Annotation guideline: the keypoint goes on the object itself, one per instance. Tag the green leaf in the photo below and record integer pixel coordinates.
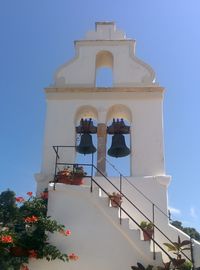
(178, 262)
(140, 266)
(185, 243)
(170, 247)
(134, 267)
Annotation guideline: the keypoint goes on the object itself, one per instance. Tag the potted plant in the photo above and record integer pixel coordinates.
(24, 230)
(77, 175)
(71, 176)
(148, 230)
(177, 248)
(115, 199)
(64, 176)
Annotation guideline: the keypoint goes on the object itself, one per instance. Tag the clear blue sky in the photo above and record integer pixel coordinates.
(37, 36)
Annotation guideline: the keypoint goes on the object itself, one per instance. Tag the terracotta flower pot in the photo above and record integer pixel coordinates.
(115, 201)
(64, 179)
(77, 180)
(147, 234)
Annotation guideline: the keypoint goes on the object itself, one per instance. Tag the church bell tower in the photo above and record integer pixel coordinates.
(134, 99)
(124, 120)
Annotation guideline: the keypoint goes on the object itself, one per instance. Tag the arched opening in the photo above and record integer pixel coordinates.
(86, 113)
(104, 77)
(120, 164)
(104, 69)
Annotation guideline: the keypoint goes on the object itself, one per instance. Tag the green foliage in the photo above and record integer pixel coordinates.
(175, 263)
(177, 248)
(192, 232)
(186, 265)
(24, 229)
(146, 225)
(8, 207)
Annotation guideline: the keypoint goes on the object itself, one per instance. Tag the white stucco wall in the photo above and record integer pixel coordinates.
(97, 238)
(128, 70)
(144, 105)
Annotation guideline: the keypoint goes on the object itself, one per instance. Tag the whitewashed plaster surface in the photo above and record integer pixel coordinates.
(134, 97)
(128, 70)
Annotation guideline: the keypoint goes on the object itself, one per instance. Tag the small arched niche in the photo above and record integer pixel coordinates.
(104, 69)
(122, 164)
(86, 112)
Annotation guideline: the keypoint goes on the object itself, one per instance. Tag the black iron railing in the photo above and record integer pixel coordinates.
(93, 168)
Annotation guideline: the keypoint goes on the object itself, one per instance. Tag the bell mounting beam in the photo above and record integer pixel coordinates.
(101, 148)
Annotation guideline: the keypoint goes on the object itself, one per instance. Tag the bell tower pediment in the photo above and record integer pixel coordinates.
(105, 47)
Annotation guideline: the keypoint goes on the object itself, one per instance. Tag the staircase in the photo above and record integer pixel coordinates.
(147, 252)
(133, 236)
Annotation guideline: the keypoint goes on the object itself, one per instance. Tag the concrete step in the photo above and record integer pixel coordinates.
(132, 235)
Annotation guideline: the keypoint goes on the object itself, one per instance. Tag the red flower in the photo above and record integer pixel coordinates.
(31, 219)
(67, 232)
(19, 199)
(73, 257)
(6, 239)
(29, 193)
(32, 254)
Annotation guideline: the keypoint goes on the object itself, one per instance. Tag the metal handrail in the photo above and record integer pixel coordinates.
(138, 190)
(139, 210)
(121, 193)
(131, 218)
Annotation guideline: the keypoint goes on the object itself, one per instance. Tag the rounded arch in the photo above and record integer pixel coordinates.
(119, 111)
(104, 59)
(86, 111)
(123, 164)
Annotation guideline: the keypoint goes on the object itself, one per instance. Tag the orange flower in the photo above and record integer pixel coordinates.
(73, 257)
(19, 199)
(6, 239)
(32, 253)
(29, 193)
(31, 219)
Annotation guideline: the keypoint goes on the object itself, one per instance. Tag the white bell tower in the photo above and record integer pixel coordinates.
(134, 96)
(105, 237)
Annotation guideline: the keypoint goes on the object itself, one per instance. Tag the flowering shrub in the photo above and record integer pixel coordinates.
(24, 229)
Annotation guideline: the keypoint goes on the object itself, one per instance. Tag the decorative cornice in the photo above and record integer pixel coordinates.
(155, 89)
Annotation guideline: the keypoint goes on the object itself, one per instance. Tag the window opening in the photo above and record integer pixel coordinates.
(104, 77)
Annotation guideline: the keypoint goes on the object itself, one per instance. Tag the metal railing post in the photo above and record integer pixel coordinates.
(153, 221)
(92, 168)
(192, 253)
(55, 170)
(120, 209)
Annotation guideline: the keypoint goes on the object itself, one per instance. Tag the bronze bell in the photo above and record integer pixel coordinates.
(86, 146)
(86, 126)
(118, 126)
(118, 147)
